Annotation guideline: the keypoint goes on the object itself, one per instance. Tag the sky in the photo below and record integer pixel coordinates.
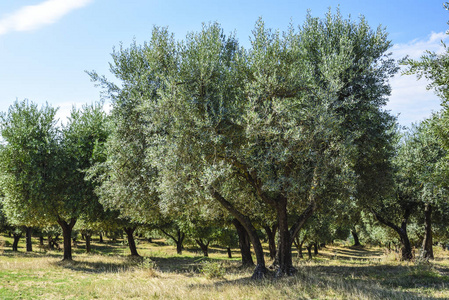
(47, 45)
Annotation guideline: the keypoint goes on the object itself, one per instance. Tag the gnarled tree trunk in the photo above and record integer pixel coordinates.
(356, 238)
(284, 256)
(179, 239)
(406, 250)
(131, 242)
(15, 243)
(271, 235)
(244, 243)
(427, 249)
(260, 271)
(204, 246)
(294, 230)
(298, 244)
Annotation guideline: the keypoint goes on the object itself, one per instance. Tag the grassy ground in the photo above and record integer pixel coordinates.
(338, 272)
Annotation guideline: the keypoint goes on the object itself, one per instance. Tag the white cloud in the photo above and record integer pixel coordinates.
(35, 16)
(409, 96)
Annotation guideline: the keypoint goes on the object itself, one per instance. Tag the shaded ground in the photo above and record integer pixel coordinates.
(338, 272)
(350, 253)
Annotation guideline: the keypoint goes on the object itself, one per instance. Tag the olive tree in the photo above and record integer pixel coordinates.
(278, 127)
(286, 117)
(42, 165)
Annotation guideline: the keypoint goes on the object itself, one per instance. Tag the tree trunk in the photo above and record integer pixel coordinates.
(131, 242)
(356, 238)
(315, 248)
(284, 255)
(271, 234)
(178, 247)
(88, 236)
(204, 247)
(406, 249)
(427, 249)
(244, 243)
(50, 242)
(229, 252)
(29, 244)
(309, 251)
(179, 241)
(41, 240)
(67, 237)
(101, 237)
(15, 243)
(260, 271)
(298, 244)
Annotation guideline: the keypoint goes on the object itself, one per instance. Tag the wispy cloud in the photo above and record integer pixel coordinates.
(409, 96)
(35, 16)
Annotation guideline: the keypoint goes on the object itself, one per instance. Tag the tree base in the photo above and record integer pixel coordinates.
(285, 271)
(260, 272)
(68, 260)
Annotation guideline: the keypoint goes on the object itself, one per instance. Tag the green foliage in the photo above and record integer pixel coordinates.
(30, 163)
(212, 269)
(294, 121)
(83, 139)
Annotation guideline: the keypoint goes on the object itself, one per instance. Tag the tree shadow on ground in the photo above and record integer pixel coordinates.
(128, 263)
(352, 253)
(33, 254)
(190, 265)
(370, 282)
(158, 242)
(104, 249)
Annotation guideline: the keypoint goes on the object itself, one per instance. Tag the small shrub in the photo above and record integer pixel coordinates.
(147, 263)
(212, 269)
(390, 256)
(148, 266)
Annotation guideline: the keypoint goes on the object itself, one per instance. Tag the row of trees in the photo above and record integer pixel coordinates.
(289, 136)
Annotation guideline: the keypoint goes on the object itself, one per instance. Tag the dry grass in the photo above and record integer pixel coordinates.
(336, 273)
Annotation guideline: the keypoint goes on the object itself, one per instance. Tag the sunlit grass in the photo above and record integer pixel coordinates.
(338, 272)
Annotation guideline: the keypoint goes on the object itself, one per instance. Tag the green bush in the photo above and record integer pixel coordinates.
(212, 269)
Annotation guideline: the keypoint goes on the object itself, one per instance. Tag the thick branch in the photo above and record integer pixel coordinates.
(169, 235)
(386, 222)
(252, 179)
(306, 214)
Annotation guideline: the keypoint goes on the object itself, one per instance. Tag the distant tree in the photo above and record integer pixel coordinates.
(227, 237)
(43, 167)
(396, 210)
(29, 163)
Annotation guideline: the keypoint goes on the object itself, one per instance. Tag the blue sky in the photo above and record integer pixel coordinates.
(46, 45)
